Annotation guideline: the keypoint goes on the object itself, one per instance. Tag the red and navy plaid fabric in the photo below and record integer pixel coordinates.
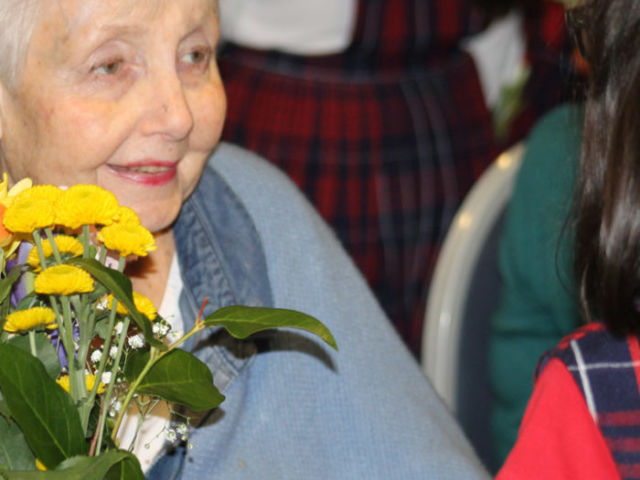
(607, 370)
(385, 139)
(550, 57)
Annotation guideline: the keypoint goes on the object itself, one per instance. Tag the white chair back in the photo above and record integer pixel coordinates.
(466, 276)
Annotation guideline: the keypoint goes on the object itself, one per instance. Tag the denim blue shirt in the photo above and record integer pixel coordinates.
(294, 408)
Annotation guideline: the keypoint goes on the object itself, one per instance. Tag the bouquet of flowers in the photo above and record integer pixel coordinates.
(78, 347)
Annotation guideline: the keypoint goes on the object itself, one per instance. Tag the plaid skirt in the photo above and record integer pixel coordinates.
(386, 158)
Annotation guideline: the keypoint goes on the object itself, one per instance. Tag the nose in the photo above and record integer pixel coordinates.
(168, 110)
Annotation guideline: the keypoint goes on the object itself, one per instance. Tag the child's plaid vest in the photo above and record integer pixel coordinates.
(607, 370)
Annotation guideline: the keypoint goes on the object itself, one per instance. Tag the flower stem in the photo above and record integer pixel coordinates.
(102, 366)
(37, 239)
(94, 440)
(132, 390)
(77, 387)
(54, 246)
(32, 343)
(105, 355)
(86, 241)
(116, 365)
(154, 356)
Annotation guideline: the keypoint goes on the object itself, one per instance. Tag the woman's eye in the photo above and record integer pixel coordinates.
(196, 57)
(110, 68)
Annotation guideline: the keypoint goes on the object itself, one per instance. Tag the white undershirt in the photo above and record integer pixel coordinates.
(499, 54)
(152, 434)
(304, 27)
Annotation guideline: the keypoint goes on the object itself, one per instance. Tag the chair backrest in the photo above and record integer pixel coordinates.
(463, 295)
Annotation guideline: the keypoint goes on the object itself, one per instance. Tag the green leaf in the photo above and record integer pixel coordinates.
(177, 377)
(102, 327)
(4, 410)
(15, 454)
(243, 321)
(46, 352)
(29, 300)
(127, 469)
(86, 468)
(120, 285)
(43, 410)
(7, 282)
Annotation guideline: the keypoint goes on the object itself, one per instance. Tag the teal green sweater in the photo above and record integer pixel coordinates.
(538, 300)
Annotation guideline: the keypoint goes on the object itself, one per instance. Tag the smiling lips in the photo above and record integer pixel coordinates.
(152, 173)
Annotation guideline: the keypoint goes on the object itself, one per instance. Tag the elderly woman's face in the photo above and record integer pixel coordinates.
(122, 94)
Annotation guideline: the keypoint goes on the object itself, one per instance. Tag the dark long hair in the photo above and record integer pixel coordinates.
(608, 194)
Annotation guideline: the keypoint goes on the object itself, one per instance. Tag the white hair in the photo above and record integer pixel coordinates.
(17, 19)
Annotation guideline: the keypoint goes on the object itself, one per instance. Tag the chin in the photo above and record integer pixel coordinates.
(157, 219)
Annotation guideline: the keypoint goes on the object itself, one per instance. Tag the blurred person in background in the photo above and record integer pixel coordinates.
(539, 302)
(385, 112)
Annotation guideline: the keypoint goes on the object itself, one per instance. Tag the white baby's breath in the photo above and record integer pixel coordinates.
(137, 341)
(96, 355)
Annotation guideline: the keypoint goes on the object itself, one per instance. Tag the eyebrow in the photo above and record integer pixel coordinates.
(126, 30)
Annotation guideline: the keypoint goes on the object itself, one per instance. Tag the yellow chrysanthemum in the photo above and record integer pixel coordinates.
(127, 239)
(89, 382)
(47, 192)
(8, 241)
(86, 205)
(142, 303)
(126, 215)
(24, 320)
(65, 244)
(26, 213)
(63, 280)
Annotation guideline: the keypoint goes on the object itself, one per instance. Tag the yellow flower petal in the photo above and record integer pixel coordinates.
(46, 192)
(86, 205)
(25, 214)
(142, 304)
(89, 382)
(6, 195)
(6, 237)
(20, 187)
(127, 239)
(126, 215)
(66, 245)
(24, 320)
(63, 280)
(4, 186)
(40, 466)
(63, 381)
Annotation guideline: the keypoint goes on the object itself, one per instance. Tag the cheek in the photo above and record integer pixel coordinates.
(208, 114)
(80, 136)
(21, 141)
(62, 143)
(83, 123)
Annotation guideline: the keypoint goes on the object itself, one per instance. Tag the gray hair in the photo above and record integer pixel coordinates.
(17, 19)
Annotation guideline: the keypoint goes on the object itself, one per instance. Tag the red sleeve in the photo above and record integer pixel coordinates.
(558, 438)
